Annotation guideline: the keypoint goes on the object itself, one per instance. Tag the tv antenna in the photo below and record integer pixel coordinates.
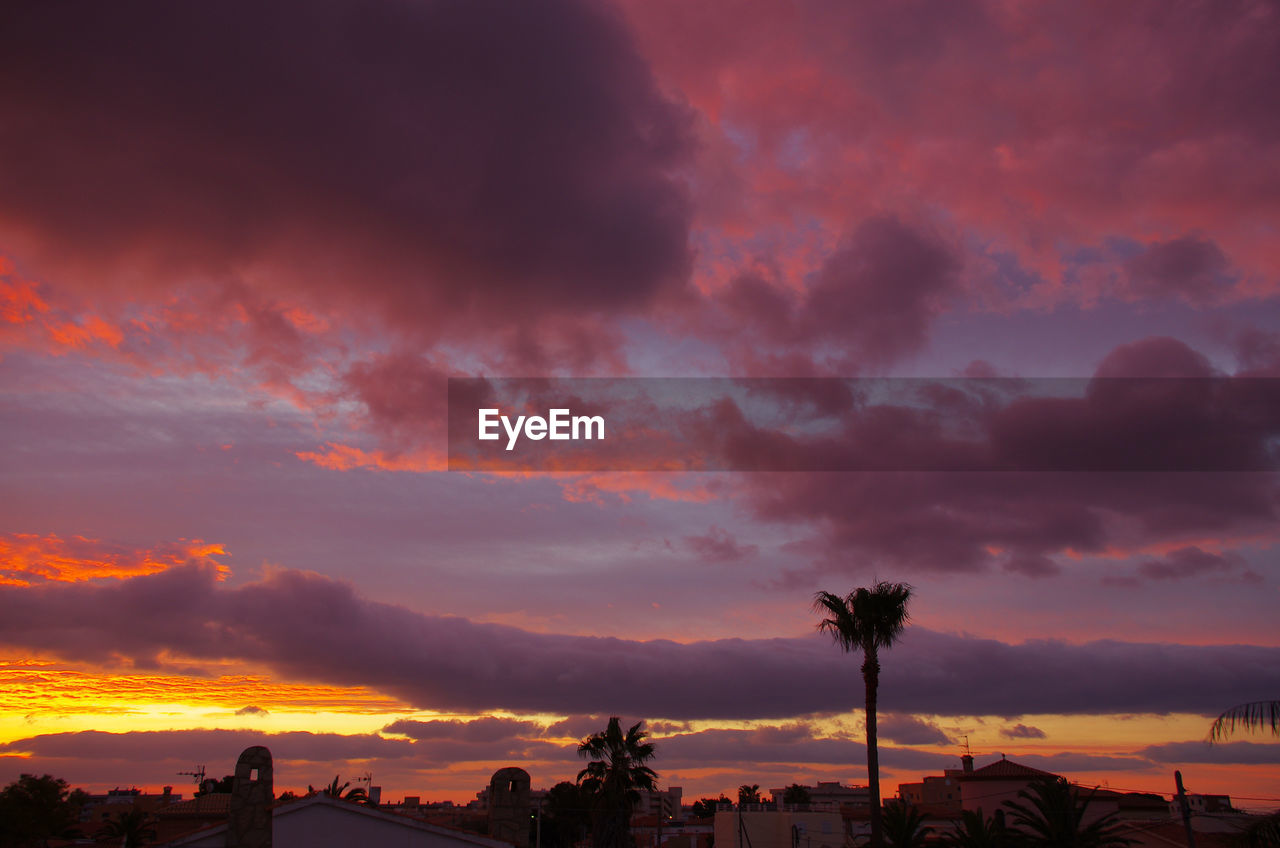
(198, 774)
(968, 752)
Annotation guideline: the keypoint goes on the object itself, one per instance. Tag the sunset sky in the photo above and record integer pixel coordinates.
(243, 248)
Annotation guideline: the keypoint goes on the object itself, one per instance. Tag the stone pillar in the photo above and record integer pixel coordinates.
(509, 806)
(251, 799)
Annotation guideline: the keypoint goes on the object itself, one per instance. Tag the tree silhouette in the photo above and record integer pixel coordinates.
(1263, 832)
(796, 794)
(904, 825)
(133, 828)
(749, 793)
(35, 809)
(977, 831)
(1051, 815)
(213, 785)
(613, 779)
(867, 620)
(336, 790)
(1256, 715)
(566, 819)
(706, 807)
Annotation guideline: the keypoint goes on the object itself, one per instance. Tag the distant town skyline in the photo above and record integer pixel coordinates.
(244, 248)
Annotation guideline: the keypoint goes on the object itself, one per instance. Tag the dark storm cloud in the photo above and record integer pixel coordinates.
(441, 162)
(299, 624)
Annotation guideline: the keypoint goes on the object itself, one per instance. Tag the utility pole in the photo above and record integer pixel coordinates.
(1185, 808)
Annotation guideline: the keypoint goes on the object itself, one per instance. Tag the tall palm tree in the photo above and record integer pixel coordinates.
(613, 779)
(904, 825)
(867, 620)
(1255, 715)
(1051, 815)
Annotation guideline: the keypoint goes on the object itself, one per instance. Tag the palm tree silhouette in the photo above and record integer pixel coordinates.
(337, 790)
(867, 620)
(904, 825)
(1053, 817)
(133, 828)
(613, 779)
(1255, 715)
(976, 831)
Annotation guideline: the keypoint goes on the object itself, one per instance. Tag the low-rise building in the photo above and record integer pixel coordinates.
(785, 828)
(320, 821)
(831, 795)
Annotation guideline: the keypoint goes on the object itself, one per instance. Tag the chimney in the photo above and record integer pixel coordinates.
(967, 762)
(168, 790)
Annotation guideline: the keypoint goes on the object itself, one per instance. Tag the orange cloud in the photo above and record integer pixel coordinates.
(19, 300)
(28, 686)
(29, 314)
(657, 485)
(81, 334)
(340, 457)
(28, 557)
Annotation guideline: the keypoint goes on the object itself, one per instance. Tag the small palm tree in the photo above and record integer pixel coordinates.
(613, 779)
(977, 831)
(868, 620)
(1263, 832)
(133, 829)
(339, 790)
(1051, 815)
(749, 793)
(1256, 715)
(904, 825)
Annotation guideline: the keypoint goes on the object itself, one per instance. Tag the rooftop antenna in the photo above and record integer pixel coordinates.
(198, 774)
(968, 752)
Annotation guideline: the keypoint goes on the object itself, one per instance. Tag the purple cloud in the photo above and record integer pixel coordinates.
(299, 625)
(717, 545)
(437, 164)
(1022, 731)
(1189, 267)
(909, 730)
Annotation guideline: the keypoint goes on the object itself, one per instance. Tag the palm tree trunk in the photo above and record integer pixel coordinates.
(871, 677)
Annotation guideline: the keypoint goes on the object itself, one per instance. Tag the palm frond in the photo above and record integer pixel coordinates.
(1253, 716)
(868, 618)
